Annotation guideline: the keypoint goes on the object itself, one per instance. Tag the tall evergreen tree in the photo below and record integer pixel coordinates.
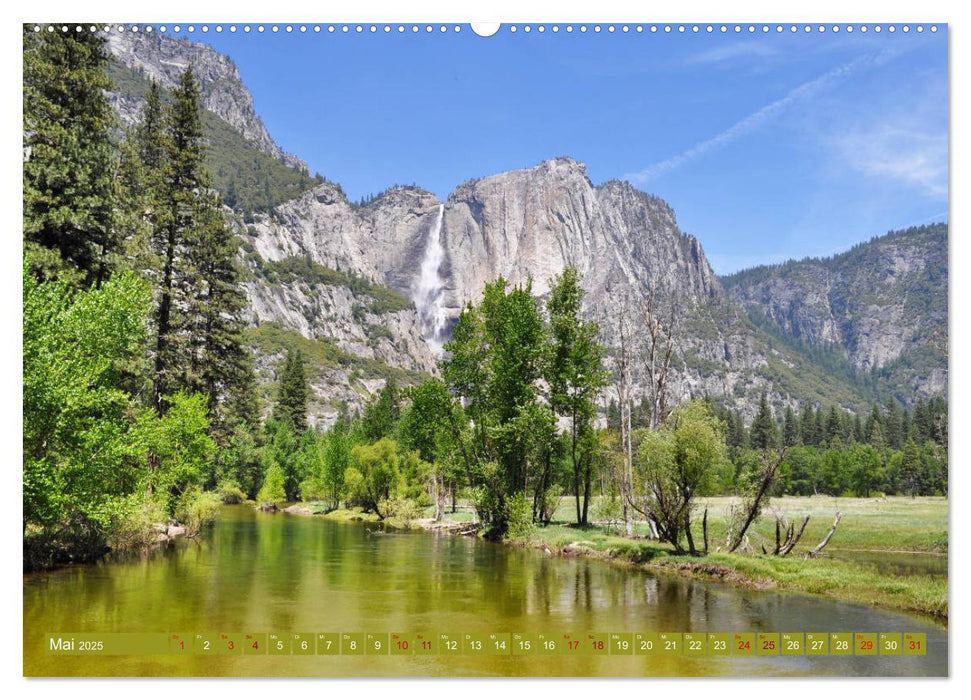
(910, 468)
(68, 159)
(764, 433)
(833, 427)
(178, 219)
(807, 424)
(140, 178)
(294, 392)
(224, 365)
(790, 429)
(893, 426)
(199, 327)
(872, 420)
(820, 428)
(858, 435)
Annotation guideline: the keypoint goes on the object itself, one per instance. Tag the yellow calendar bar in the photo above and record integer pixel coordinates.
(632, 644)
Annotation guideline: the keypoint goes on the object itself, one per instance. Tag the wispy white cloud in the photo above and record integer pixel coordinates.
(760, 117)
(732, 52)
(898, 150)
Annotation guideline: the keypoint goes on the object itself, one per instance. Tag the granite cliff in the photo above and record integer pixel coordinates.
(371, 290)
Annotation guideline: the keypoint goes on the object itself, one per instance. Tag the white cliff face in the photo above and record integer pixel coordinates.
(335, 313)
(383, 241)
(538, 221)
(525, 224)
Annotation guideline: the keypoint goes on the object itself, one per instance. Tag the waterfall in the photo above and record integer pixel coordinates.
(428, 293)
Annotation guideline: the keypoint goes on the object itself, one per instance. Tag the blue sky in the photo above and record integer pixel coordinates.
(768, 146)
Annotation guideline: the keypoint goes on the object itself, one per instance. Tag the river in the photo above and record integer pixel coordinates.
(259, 572)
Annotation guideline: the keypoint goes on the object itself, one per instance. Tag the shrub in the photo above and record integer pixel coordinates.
(135, 526)
(519, 518)
(407, 510)
(195, 508)
(230, 492)
(272, 491)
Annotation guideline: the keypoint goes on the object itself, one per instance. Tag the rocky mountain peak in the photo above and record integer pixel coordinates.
(163, 58)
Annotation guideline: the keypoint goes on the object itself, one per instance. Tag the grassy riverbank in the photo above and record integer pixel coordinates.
(897, 527)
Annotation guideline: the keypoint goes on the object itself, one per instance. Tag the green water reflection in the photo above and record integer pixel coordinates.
(255, 572)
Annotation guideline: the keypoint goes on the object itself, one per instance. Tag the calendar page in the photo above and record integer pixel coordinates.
(518, 349)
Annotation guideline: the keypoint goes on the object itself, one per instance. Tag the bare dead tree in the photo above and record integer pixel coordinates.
(624, 366)
(819, 547)
(783, 547)
(661, 322)
(753, 507)
(704, 529)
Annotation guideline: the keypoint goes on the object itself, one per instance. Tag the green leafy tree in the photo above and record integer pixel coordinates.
(575, 375)
(380, 419)
(181, 448)
(81, 446)
(675, 464)
(430, 425)
(865, 469)
(241, 461)
(495, 362)
(69, 166)
(374, 476)
(836, 477)
(337, 459)
(284, 447)
(805, 470)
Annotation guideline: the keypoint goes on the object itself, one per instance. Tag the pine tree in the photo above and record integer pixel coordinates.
(807, 422)
(873, 420)
(294, 392)
(820, 428)
(68, 165)
(877, 439)
(893, 427)
(764, 433)
(833, 427)
(178, 209)
(223, 364)
(199, 326)
(846, 427)
(906, 426)
(790, 429)
(139, 187)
